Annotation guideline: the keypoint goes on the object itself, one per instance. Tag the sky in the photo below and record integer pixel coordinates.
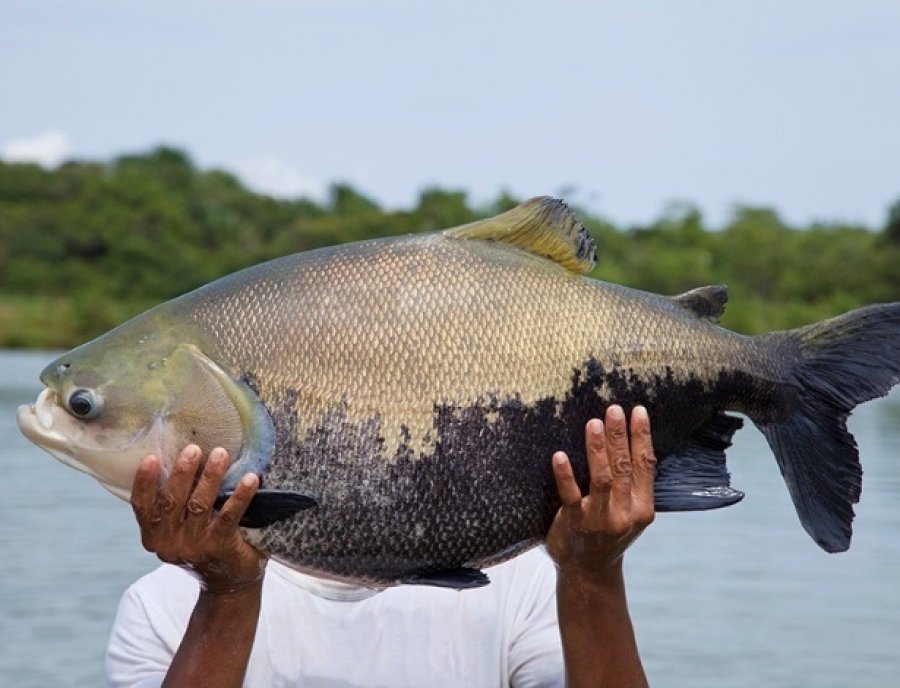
(622, 106)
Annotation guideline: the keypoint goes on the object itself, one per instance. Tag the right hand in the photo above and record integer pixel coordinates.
(591, 532)
(178, 524)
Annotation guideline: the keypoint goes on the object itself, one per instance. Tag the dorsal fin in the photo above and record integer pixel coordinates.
(544, 226)
(707, 302)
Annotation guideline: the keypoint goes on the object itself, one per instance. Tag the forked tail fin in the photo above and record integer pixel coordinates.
(845, 361)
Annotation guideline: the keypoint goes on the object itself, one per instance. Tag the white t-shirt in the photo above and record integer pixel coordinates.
(314, 632)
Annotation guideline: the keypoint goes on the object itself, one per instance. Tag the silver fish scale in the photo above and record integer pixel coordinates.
(419, 386)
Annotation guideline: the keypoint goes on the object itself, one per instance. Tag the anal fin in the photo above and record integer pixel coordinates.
(694, 477)
(270, 506)
(461, 578)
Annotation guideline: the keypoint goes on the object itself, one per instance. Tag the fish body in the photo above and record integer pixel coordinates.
(413, 389)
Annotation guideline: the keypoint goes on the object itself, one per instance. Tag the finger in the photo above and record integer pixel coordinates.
(644, 461)
(143, 499)
(233, 510)
(566, 485)
(619, 457)
(198, 510)
(143, 490)
(598, 464)
(174, 494)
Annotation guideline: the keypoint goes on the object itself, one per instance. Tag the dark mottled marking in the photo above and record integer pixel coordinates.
(484, 493)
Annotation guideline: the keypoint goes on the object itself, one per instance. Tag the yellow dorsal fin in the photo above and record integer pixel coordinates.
(544, 226)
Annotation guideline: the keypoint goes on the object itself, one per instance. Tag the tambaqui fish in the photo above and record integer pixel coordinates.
(401, 398)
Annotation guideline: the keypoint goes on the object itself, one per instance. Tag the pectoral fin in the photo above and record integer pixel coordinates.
(270, 506)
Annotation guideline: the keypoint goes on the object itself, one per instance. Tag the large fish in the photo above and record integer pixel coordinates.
(401, 398)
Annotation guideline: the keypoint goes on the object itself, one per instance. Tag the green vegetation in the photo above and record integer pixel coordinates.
(87, 245)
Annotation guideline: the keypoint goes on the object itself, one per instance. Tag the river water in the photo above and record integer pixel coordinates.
(739, 597)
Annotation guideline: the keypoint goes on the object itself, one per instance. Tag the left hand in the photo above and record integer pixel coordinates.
(590, 533)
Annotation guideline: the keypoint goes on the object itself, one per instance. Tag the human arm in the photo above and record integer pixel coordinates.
(177, 523)
(587, 541)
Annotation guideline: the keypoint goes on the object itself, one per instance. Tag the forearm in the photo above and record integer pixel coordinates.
(216, 646)
(599, 647)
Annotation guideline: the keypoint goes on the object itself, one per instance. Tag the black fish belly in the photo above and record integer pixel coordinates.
(678, 402)
(483, 493)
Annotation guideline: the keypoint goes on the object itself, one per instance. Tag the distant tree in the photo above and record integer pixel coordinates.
(754, 250)
(86, 245)
(504, 201)
(170, 166)
(345, 200)
(438, 208)
(681, 223)
(892, 226)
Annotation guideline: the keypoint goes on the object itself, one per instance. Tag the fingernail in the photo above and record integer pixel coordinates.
(559, 458)
(640, 412)
(615, 412)
(248, 480)
(219, 453)
(595, 426)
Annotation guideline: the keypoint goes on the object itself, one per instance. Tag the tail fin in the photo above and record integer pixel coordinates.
(845, 361)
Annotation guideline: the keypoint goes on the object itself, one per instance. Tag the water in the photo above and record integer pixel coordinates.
(739, 597)
(69, 550)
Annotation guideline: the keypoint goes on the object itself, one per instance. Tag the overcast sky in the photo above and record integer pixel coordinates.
(633, 104)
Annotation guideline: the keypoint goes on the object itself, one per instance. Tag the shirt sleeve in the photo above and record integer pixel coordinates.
(535, 653)
(144, 637)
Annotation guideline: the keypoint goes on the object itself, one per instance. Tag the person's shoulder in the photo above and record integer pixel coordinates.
(167, 585)
(165, 575)
(154, 611)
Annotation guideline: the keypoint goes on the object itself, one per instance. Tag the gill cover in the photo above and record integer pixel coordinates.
(214, 410)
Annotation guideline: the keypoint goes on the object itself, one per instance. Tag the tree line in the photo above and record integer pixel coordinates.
(89, 244)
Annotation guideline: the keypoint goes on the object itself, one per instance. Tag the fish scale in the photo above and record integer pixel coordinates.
(401, 398)
(359, 391)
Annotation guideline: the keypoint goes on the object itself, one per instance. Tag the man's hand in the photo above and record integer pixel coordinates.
(587, 541)
(591, 533)
(178, 524)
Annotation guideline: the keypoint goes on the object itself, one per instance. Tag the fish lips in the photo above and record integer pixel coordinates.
(35, 421)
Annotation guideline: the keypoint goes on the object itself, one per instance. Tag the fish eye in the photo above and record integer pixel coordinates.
(83, 404)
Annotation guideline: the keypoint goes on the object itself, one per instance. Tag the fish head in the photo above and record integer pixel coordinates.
(133, 392)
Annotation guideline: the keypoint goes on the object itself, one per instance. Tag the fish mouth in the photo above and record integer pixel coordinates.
(35, 421)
